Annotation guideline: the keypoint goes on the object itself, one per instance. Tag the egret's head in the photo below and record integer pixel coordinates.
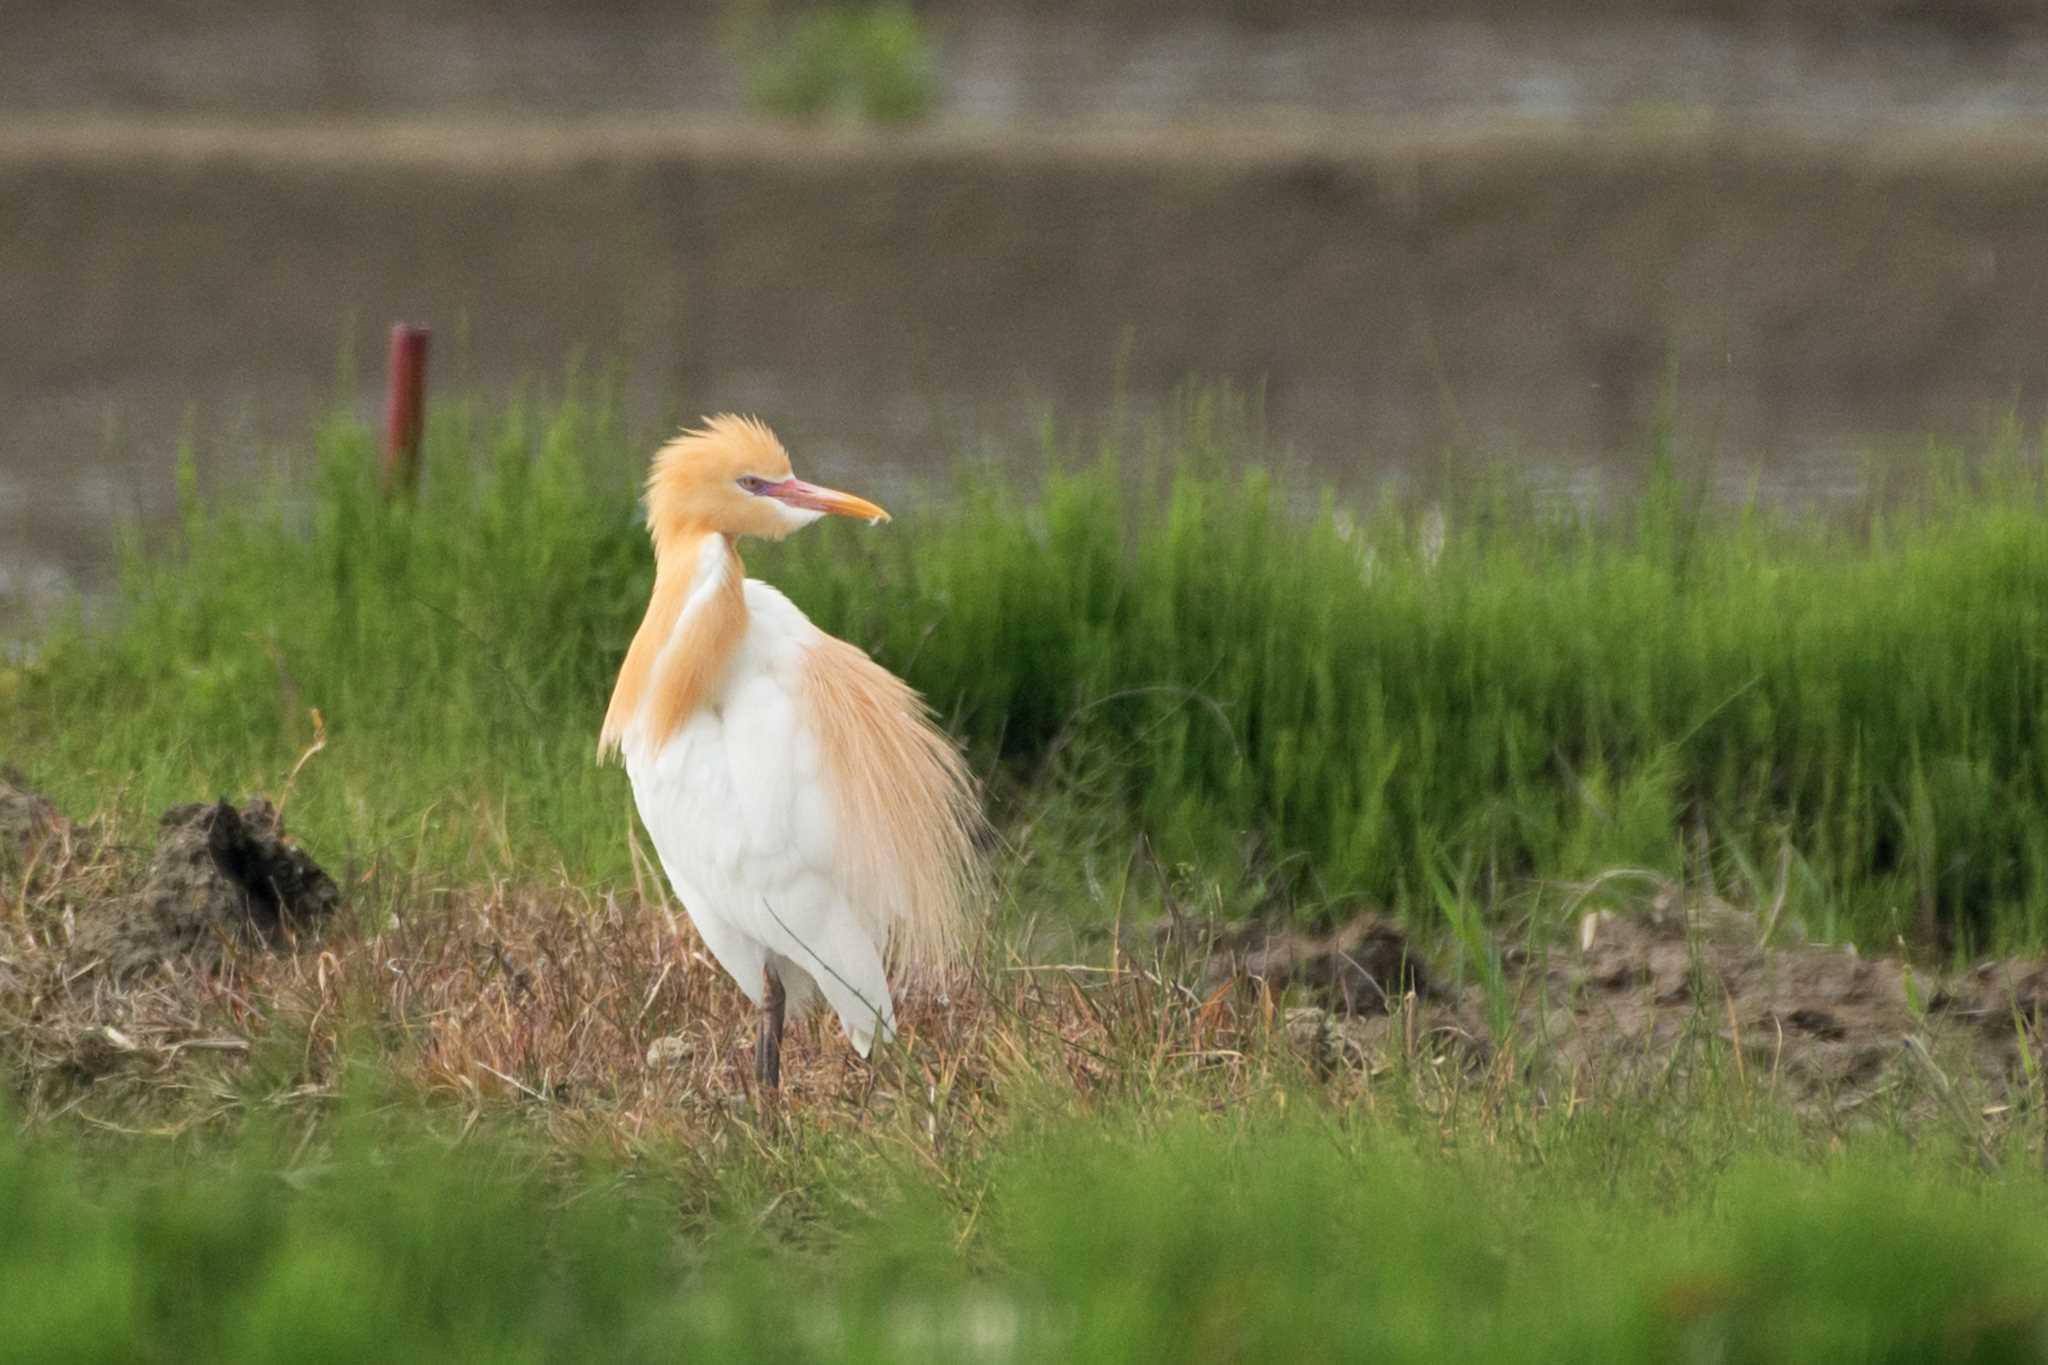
(732, 476)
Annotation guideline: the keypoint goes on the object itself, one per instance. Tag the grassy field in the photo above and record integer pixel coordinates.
(1296, 700)
(1133, 1235)
(502, 1112)
(437, 1140)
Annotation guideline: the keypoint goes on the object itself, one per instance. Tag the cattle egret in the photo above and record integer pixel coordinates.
(812, 819)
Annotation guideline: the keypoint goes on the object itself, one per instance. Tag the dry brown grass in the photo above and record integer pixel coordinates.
(600, 1013)
(596, 1019)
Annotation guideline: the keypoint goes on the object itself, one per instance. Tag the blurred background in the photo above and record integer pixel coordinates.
(1777, 234)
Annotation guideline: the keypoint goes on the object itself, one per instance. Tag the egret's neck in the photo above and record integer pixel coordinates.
(693, 626)
(699, 562)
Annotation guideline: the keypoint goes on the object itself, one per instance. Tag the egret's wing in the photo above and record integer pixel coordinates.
(905, 805)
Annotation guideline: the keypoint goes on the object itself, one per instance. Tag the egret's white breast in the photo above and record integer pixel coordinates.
(739, 810)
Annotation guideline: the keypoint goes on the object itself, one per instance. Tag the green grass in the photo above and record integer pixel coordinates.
(1309, 1233)
(872, 61)
(407, 1146)
(1161, 635)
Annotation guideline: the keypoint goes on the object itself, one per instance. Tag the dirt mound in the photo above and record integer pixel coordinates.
(1823, 1019)
(221, 877)
(1643, 984)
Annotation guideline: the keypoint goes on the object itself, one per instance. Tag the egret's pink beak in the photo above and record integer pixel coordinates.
(797, 493)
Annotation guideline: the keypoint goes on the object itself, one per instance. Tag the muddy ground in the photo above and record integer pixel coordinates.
(1007, 60)
(116, 965)
(1648, 979)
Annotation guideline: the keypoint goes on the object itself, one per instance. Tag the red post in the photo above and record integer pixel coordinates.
(405, 407)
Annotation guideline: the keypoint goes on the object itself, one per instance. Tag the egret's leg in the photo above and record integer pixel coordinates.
(768, 1051)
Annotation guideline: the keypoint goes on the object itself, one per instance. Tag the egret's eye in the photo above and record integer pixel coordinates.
(752, 484)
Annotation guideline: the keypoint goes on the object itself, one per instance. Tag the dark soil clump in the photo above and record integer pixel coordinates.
(221, 877)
